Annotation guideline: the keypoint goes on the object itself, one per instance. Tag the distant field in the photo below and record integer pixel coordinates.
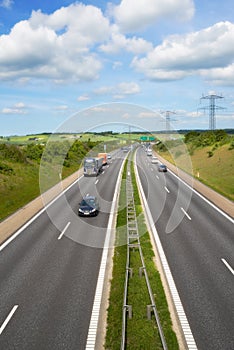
(43, 138)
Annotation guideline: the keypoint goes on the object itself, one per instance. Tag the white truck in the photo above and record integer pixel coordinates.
(92, 166)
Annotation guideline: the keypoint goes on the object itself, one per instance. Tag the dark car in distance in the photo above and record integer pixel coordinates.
(89, 206)
(162, 167)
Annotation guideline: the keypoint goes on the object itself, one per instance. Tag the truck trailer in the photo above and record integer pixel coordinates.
(104, 156)
(92, 166)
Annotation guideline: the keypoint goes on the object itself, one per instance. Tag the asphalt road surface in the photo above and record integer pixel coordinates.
(49, 272)
(198, 242)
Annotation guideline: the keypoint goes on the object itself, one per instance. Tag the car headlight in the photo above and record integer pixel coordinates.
(80, 210)
(93, 210)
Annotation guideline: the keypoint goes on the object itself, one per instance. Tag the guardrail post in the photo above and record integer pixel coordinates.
(129, 309)
(130, 271)
(141, 269)
(149, 312)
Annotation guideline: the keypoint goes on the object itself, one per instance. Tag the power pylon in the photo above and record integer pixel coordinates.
(168, 120)
(212, 108)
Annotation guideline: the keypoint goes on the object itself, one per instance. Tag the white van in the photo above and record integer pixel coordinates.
(154, 160)
(149, 152)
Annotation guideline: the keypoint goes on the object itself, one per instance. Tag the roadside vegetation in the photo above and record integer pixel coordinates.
(211, 154)
(20, 169)
(141, 332)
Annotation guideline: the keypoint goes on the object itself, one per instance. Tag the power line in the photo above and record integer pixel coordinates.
(212, 108)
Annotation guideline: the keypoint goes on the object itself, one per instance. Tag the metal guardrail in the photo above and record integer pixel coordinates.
(133, 241)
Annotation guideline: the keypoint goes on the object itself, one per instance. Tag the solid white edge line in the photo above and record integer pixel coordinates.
(64, 230)
(185, 213)
(93, 326)
(191, 344)
(204, 198)
(7, 320)
(227, 265)
(11, 238)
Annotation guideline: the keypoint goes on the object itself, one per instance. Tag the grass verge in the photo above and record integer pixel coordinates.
(141, 332)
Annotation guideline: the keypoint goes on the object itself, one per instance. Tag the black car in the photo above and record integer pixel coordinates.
(89, 206)
(162, 167)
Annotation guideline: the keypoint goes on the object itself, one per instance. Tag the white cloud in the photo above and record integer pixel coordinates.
(117, 64)
(13, 111)
(128, 88)
(61, 108)
(220, 76)
(119, 42)
(56, 46)
(7, 4)
(147, 115)
(17, 108)
(120, 90)
(20, 105)
(83, 98)
(208, 52)
(132, 15)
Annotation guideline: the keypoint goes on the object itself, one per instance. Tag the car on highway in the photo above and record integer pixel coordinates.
(162, 168)
(89, 206)
(154, 160)
(109, 156)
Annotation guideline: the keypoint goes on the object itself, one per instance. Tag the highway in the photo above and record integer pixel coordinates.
(198, 242)
(49, 271)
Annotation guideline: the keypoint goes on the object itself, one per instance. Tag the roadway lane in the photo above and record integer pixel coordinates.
(51, 280)
(194, 248)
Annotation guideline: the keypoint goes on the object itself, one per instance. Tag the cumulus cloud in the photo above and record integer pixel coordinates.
(120, 90)
(56, 46)
(208, 52)
(118, 42)
(133, 15)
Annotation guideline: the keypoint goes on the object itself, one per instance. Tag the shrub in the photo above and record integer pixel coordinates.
(6, 169)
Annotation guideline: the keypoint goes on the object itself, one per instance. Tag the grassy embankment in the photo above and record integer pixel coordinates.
(212, 161)
(28, 170)
(25, 173)
(141, 332)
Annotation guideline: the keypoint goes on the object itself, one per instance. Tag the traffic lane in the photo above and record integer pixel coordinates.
(59, 258)
(55, 301)
(41, 231)
(191, 257)
(204, 284)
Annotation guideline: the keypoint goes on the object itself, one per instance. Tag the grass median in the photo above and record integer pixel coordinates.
(141, 333)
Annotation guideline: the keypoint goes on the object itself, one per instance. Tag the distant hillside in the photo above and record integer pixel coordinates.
(211, 154)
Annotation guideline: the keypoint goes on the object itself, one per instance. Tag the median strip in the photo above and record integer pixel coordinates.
(141, 330)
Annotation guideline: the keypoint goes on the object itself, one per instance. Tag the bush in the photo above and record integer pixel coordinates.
(6, 169)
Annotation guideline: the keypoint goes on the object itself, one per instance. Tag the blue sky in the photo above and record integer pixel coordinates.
(61, 58)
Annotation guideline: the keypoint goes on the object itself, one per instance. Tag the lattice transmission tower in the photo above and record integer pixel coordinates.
(212, 108)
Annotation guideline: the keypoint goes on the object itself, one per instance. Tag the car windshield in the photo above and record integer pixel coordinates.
(88, 201)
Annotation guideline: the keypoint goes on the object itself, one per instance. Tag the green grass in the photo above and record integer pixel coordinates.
(18, 188)
(216, 171)
(141, 332)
